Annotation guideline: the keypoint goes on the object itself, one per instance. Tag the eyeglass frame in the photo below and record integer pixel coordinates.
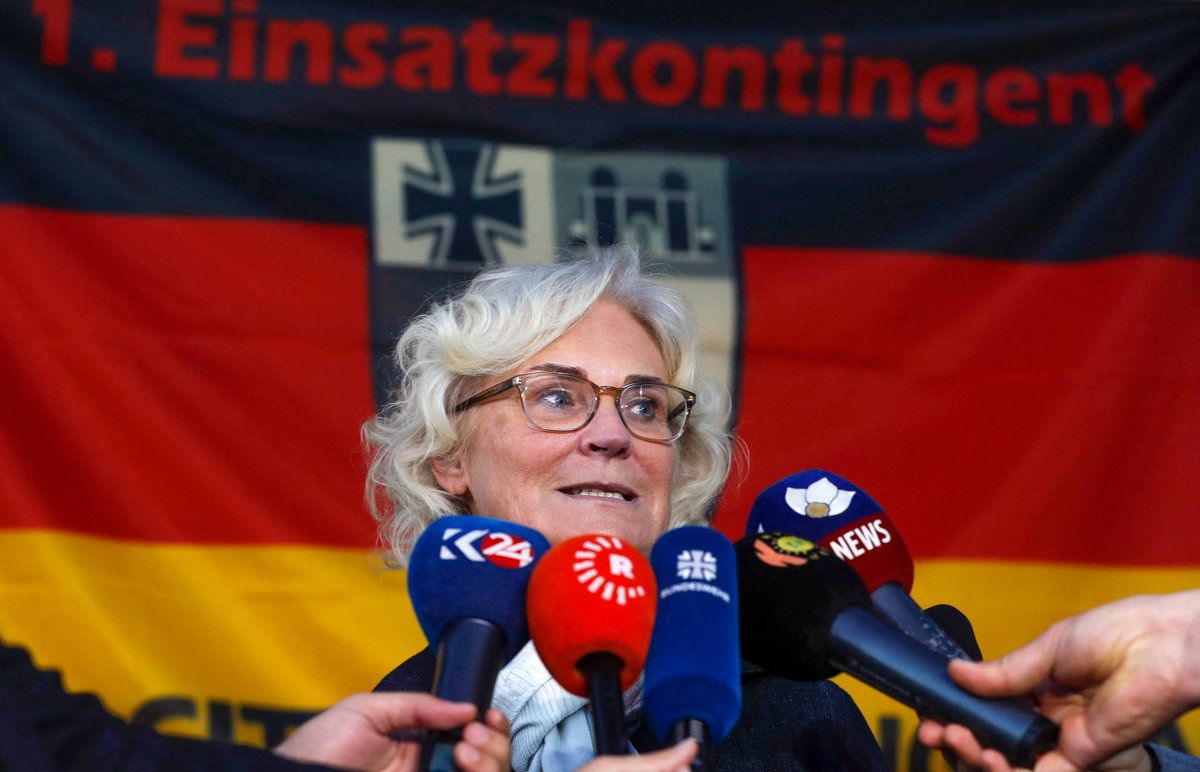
(689, 401)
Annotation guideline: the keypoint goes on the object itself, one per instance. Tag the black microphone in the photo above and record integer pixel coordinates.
(832, 511)
(957, 626)
(467, 580)
(805, 615)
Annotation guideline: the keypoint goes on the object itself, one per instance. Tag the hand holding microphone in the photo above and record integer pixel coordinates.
(467, 579)
(804, 615)
(591, 612)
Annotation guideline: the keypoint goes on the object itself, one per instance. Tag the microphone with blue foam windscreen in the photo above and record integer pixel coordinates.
(693, 683)
(832, 511)
(467, 580)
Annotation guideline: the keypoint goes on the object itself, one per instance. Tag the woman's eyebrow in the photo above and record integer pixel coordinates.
(579, 372)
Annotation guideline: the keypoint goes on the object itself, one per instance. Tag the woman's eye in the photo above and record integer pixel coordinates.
(642, 408)
(555, 398)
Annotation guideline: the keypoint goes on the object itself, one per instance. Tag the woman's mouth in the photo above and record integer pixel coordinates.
(608, 493)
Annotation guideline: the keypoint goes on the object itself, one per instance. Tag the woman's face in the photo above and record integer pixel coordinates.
(599, 479)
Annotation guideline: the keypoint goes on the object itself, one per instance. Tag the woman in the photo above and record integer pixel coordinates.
(508, 408)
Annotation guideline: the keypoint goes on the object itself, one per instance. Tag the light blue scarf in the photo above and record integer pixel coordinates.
(551, 728)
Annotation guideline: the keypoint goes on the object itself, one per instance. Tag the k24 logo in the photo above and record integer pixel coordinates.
(496, 547)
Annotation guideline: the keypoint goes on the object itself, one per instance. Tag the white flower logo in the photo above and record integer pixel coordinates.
(821, 499)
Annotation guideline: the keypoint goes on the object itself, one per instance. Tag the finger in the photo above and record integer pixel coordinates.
(1016, 673)
(498, 721)
(931, 733)
(677, 758)
(994, 761)
(1055, 762)
(399, 711)
(961, 740)
(489, 743)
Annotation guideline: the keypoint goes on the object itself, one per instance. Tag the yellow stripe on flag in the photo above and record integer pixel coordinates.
(242, 634)
(235, 632)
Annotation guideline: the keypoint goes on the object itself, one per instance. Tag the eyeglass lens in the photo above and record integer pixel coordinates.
(564, 403)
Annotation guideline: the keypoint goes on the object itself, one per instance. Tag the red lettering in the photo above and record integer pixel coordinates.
(583, 67)
(368, 68)
(1092, 87)
(176, 34)
(719, 66)
(867, 73)
(430, 65)
(56, 29)
(528, 76)
(792, 63)
(832, 76)
(481, 43)
(662, 57)
(284, 37)
(243, 49)
(960, 110)
(1005, 89)
(1133, 83)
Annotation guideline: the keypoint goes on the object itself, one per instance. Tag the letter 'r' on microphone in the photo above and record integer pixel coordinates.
(467, 579)
(693, 670)
(591, 613)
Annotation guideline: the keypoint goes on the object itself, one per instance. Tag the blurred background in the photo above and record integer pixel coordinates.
(948, 251)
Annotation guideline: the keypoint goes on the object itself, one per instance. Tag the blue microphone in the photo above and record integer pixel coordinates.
(831, 511)
(467, 579)
(693, 671)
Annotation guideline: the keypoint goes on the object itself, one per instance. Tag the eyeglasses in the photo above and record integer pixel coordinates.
(558, 402)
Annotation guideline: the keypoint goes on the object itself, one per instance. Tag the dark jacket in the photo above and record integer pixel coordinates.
(43, 727)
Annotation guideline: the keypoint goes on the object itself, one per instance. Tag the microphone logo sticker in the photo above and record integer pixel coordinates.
(821, 499)
(696, 564)
(498, 548)
(600, 566)
(782, 550)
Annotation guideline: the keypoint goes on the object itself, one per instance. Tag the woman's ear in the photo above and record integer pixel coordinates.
(451, 475)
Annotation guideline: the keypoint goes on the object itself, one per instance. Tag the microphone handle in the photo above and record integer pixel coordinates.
(695, 729)
(469, 657)
(602, 671)
(892, 602)
(868, 649)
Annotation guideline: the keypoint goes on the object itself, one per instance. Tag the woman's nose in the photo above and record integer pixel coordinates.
(606, 432)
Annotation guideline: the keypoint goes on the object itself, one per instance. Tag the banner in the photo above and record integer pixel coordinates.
(949, 253)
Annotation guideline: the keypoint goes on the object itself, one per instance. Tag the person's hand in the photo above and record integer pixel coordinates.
(357, 733)
(677, 758)
(970, 755)
(1110, 677)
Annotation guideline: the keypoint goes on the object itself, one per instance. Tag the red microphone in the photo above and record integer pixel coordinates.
(591, 607)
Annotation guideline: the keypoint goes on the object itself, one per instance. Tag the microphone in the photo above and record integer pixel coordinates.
(693, 670)
(957, 626)
(831, 511)
(467, 579)
(591, 612)
(827, 627)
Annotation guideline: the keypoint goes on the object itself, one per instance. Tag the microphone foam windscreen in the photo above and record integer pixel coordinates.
(591, 594)
(790, 591)
(835, 513)
(693, 670)
(468, 566)
(956, 625)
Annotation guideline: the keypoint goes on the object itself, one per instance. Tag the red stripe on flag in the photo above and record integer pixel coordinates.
(183, 379)
(996, 410)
